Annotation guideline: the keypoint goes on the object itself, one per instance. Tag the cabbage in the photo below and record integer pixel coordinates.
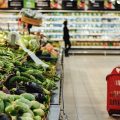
(34, 44)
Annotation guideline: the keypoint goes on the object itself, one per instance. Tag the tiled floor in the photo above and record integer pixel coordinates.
(85, 86)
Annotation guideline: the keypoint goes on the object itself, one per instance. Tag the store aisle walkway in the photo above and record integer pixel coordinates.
(85, 86)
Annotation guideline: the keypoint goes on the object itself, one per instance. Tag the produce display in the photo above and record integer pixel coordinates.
(25, 88)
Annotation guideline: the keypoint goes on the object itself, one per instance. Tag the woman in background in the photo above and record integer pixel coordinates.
(66, 38)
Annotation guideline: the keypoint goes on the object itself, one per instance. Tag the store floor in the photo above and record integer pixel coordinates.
(85, 86)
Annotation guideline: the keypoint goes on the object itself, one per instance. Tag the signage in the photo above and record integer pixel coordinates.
(69, 5)
(43, 4)
(16, 4)
(96, 5)
(29, 3)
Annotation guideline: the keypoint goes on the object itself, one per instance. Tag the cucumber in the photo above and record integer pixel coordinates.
(1, 106)
(18, 78)
(29, 77)
(24, 79)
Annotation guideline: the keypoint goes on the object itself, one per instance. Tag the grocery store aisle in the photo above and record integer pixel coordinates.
(85, 86)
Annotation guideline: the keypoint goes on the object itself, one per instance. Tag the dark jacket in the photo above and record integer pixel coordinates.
(66, 36)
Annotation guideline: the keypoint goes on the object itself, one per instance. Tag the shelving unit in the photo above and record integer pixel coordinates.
(9, 21)
(88, 29)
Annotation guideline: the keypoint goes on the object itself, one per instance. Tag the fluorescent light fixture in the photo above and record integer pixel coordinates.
(118, 1)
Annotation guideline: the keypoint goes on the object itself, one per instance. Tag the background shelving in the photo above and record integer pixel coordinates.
(87, 27)
(84, 27)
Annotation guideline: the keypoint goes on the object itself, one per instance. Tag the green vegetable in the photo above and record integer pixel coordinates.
(17, 97)
(23, 100)
(9, 109)
(26, 118)
(29, 77)
(1, 106)
(27, 115)
(46, 91)
(24, 79)
(42, 106)
(18, 78)
(28, 96)
(10, 98)
(39, 112)
(35, 105)
(6, 103)
(37, 118)
(2, 95)
(19, 106)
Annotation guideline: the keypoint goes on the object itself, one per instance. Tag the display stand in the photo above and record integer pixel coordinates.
(56, 111)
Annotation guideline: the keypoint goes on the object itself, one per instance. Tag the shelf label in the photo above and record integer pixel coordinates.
(96, 5)
(15, 4)
(43, 4)
(69, 5)
(29, 3)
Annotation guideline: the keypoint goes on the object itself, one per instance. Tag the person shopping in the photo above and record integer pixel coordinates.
(66, 38)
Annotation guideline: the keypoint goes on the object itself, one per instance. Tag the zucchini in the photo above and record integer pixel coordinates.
(18, 79)
(38, 76)
(29, 76)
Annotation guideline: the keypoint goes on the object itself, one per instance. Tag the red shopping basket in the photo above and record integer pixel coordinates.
(113, 92)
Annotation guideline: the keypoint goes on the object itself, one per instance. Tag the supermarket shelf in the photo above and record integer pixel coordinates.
(54, 112)
(55, 100)
(84, 22)
(77, 33)
(94, 52)
(94, 40)
(96, 47)
(74, 28)
(87, 40)
(81, 16)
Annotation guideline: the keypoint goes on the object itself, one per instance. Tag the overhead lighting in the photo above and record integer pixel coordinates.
(112, 0)
(118, 1)
(92, 1)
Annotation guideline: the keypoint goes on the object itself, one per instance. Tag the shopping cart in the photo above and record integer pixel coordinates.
(113, 92)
